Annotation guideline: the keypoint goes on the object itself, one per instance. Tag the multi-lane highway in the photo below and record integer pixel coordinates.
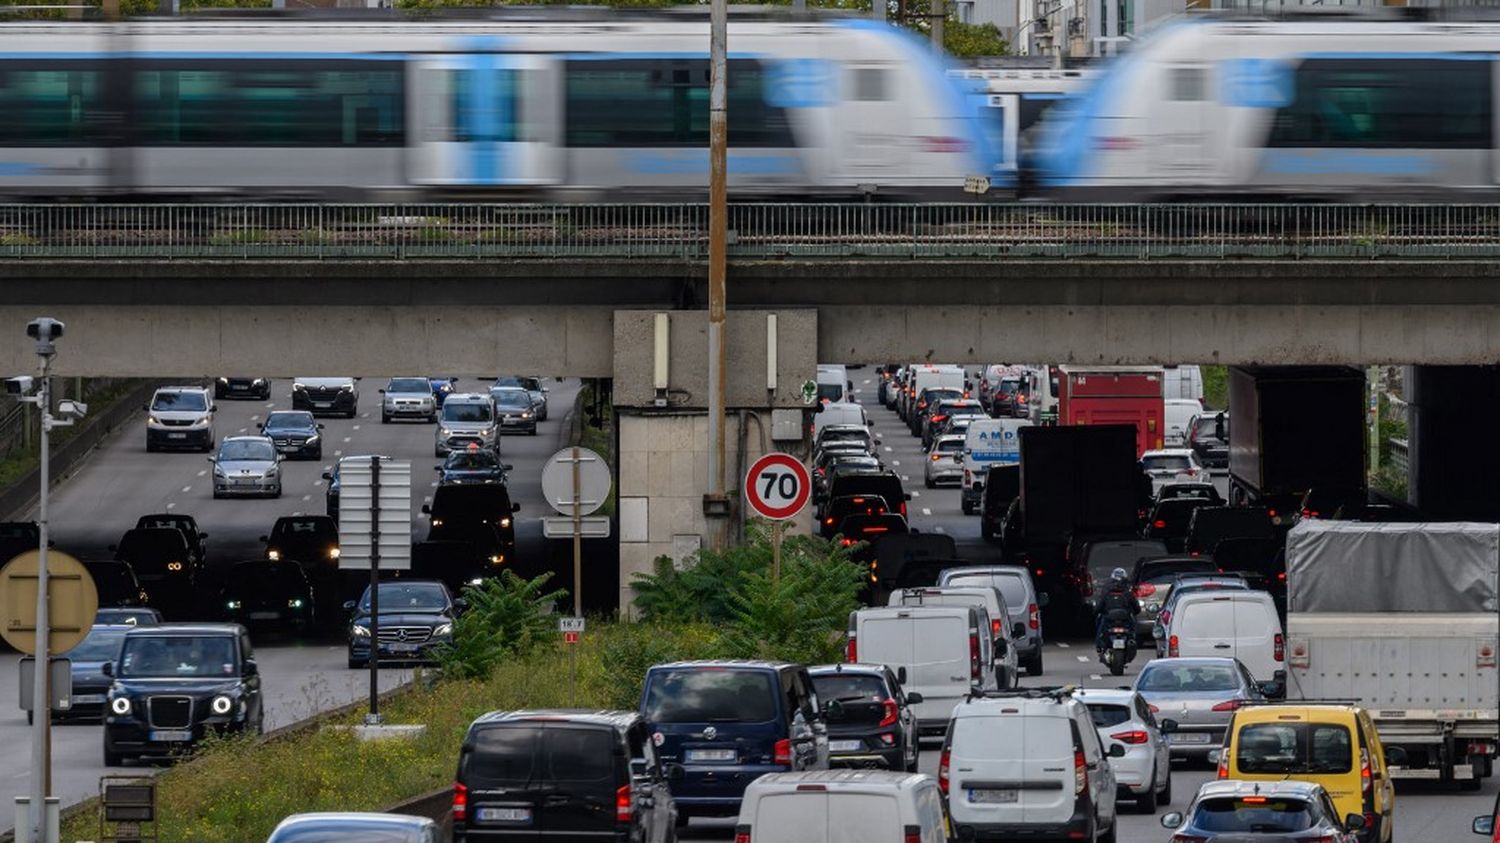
(1422, 813)
(120, 482)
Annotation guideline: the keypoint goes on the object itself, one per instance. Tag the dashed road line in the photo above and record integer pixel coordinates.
(939, 529)
(338, 453)
(307, 497)
(317, 482)
(926, 511)
(243, 429)
(1096, 677)
(328, 468)
(348, 438)
(171, 506)
(888, 449)
(186, 489)
(1063, 644)
(356, 427)
(897, 462)
(255, 417)
(203, 472)
(914, 494)
(1083, 659)
(271, 405)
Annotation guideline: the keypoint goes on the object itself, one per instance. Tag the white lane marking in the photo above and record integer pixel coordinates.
(317, 482)
(427, 499)
(356, 427)
(348, 438)
(905, 479)
(203, 472)
(171, 505)
(1063, 644)
(307, 497)
(186, 489)
(270, 405)
(338, 453)
(888, 449)
(297, 513)
(1083, 658)
(364, 415)
(914, 494)
(866, 381)
(939, 529)
(926, 511)
(255, 418)
(243, 429)
(1096, 677)
(434, 484)
(895, 462)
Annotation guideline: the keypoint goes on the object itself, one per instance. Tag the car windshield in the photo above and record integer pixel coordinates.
(178, 655)
(1205, 427)
(935, 396)
(128, 617)
(1253, 815)
(100, 645)
(1106, 716)
(1011, 586)
(17, 531)
(1298, 748)
(289, 421)
(1165, 462)
(404, 385)
(304, 528)
(334, 831)
(1009, 385)
(471, 460)
(466, 411)
(711, 695)
(849, 687)
(511, 398)
(141, 545)
(1166, 572)
(1189, 490)
(239, 449)
(507, 380)
(162, 522)
(948, 446)
(1167, 677)
(420, 597)
(180, 401)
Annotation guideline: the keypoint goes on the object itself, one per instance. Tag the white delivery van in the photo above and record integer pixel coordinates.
(1233, 624)
(1182, 382)
(840, 806)
(939, 377)
(833, 383)
(1178, 412)
(988, 442)
(1003, 631)
(842, 414)
(943, 649)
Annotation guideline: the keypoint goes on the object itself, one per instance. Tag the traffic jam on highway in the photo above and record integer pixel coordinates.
(1086, 622)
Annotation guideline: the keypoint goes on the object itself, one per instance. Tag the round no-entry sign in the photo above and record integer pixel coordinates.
(777, 486)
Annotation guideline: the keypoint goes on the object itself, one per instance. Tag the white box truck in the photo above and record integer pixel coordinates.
(1404, 620)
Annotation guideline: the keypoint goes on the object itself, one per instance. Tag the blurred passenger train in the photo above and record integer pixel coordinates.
(1016, 97)
(564, 105)
(1346, 110)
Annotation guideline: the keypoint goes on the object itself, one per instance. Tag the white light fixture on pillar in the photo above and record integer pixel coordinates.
(662, 359)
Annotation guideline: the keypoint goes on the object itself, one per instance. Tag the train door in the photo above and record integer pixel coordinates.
(486, 119)
(1185, 148)
(1003, 129)
(873, 120)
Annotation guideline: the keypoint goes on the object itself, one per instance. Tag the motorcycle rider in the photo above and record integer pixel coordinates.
(1116, 605)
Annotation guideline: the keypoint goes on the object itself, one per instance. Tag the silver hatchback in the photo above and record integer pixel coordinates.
(247, 466)
(1201, 695)
(408, 398)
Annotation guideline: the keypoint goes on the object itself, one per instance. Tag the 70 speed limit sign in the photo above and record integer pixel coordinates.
(777, 486)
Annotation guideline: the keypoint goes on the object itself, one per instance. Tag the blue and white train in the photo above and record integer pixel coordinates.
(1308, 110)
(564, 106)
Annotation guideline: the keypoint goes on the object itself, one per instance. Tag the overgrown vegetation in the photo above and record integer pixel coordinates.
(506, 617)
(1215, 387)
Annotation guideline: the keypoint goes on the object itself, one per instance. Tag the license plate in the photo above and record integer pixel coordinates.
(710, 755)
(987, 796)
(401, 648)
(170, 735)
(845, 746)
(505, 815)
(264, 616)
(322, 405)
(176, 435)
(1119, 644)
(1188, 737)
(239, 387)
(88, 699)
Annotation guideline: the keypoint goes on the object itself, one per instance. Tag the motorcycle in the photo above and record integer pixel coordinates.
(1119, 646)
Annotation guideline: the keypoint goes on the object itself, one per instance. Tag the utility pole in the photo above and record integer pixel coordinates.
(718, 225)
(938, 16)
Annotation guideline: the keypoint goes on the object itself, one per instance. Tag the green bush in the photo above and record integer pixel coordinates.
(506, 616)
(630, 649)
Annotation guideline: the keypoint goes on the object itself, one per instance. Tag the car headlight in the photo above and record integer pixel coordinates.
(223, 380)
(298, 387)
(231, 605)
(274, 555)
(443, 631)
(526, 414)
(294, 603)
(505, 522)
(153, 420)
(312, 439)
(258, 381)
(271, 472)
(333, 553)
(497, 559)
(201, 421)
(218, 471)
(437, 522)
(360, 631)
(346, 388)
(120, 706)
(444, 432)
(221, 705)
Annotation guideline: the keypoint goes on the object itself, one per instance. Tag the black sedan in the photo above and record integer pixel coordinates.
(90, 685)
(312, 540)
(273, 595)
(17, 537)
(870, 721)
(116, 584)
(415, 618)
(243, 388)
(473, 466)
(295, 434)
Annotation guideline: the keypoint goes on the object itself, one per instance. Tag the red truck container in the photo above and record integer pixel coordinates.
(1114, 395)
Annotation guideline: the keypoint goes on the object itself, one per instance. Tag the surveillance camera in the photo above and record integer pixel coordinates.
(19, 386)
(74, 409)
(45, 331)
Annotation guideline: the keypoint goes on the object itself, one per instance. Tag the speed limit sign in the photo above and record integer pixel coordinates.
(777, 486)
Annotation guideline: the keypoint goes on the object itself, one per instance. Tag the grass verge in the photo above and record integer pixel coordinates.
(22, 461)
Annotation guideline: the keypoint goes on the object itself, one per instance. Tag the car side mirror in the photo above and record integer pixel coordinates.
(426, 509)
(507, 466)
(213, 408)
(212, 459)
(1272, 689)
(1116, 750)
(320, 425)
(1214, 755)
(515, 507)
(382, 392)
(675, 773)
(265, 539)
(1167, 726)
(437, 468)
(348, 605)
(1354, 822)
(915, 698)
(1043, 599)
(250, 669)
(1219, 432)
(145, 408)
(1018, 630)
(460, 604)
(1000, 647)
(327, 475)
(834, 708)
(203, 536)
(1484, 825)
(906, 496)
(1171, 821)
(901, 676)
(108, 669)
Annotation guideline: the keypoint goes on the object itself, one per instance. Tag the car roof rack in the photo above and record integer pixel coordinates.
(1056, 693)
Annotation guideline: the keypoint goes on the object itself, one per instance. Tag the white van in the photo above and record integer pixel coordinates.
(988, 442)
(943, 649)
(937, 377)
(1003, 631)
(838, 806)
(843, 413)
(1179, 411)
(1230, 624)
(1182, 382)
(1027, 765)
(833, 383)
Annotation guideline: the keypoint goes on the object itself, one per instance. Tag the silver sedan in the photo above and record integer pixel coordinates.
(247, 466)
(1201, 695)
(945, 461)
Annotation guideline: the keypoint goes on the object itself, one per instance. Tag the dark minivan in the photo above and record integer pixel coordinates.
(886, 484)
(726, 723)
(481, 514)
(561, 775)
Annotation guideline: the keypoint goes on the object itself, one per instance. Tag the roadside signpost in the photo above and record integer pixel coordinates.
(374, 530)
(572, 633)
(777, 487)
(576, 482)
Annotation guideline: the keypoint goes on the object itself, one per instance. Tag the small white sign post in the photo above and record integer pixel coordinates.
(576, 481)
(374, 530)
(777, 487)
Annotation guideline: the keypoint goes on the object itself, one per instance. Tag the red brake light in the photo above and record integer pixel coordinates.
(623, 808)
(1281, 576)
(1159, 524)
(460, 802)
(913, 834)
(973, 656)
(1279, 653)
(1253, 800)
(903, 509)
(852, 651)
(1036, 616)
(1145, 589)
(742, 834)
(828, 521)
(1364, 772)
(890, 715)
(1172, 647)
(783, 752)
(1080, 773)
(995, 627)
(1134, 738)
(1223, 772)
(876, 530)
(943, 772)
(1153, 708)
(1228, 705)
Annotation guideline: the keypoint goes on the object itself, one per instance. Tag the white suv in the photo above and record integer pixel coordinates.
(1144, 772)
(1027, 764)
(180, 417)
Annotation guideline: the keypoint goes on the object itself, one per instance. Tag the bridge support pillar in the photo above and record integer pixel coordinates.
(661, 397)
(1453, 458)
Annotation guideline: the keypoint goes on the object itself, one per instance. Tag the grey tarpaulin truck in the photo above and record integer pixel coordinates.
(1403, 619)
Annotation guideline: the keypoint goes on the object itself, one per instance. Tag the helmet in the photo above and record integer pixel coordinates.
(1117, 576)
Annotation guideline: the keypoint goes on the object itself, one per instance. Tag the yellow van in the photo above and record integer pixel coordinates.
(1335, 746)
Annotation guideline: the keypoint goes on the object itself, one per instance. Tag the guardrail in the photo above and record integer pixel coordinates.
(822, 231)
(1399, 454)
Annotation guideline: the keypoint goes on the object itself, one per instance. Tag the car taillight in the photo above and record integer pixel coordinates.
(921, 405)
(973, 656)
(943, 772)
(1153, 708)
(1159, 524)
(1080, 773)
(1188, 838)
(995, 628)
(460, 802)
(1145, 589)
(623, 808)
(1364, 775)
(742, 834)
(1223, 771)
(1309, 513)
(891, 712)
(1172, 647)
(852, 651)
(783, 752)
(1165, 617)
(936, 419)
(1279, 651)
(903, 509)
(913, 834)
(936, 455)
(1035, 613)
(1228, 705)
(1134, 738)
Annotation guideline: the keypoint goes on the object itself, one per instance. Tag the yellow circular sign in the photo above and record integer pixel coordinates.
(73, 600)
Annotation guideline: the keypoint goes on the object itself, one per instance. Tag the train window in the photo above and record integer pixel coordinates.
(486, 112)
(870, 84)
(664, 103)
(1389, 103)
(55, 104)
(1189, 84)
(260, 103)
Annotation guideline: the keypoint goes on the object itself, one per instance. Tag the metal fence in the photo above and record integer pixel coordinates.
(890, 231)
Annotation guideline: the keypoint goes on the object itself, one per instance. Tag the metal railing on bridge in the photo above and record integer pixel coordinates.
(810, 231)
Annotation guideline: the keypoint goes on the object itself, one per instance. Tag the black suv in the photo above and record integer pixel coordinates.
(561, 775)
(274, 595)
(478, 514)
(175, 684)
(886, 484)
(17, 537)
(416, 617)
(1208, 436)
(870, 721)
(312, 540)
(116, 584)
(163, 564)
(197, 540)
(326, 396)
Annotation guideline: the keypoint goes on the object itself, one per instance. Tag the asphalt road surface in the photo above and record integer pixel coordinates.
(120, 482)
